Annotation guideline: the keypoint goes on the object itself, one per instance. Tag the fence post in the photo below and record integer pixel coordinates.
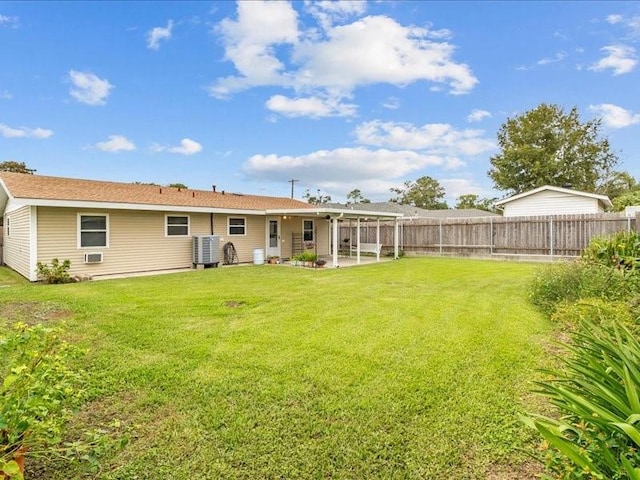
(491, 235)
(551, 236)
(440, 236)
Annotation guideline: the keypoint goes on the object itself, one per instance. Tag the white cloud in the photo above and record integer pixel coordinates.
(347, 164)
(5, 95)
(614, 18)
(24, 132)
(88, 88)
(620, 58)
(478, 115)
(314, 107)
(462, 186)
(116, 143)
(436, 138)
(6, 21)
(156, 34)
(331, 64)
(186, 147)
(614, 116)
(392, 103)
(329, 12)
(377, 49)
(555, 59)
(250, 42)
(631, 23)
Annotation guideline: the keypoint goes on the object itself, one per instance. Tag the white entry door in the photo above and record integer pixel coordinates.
(273, 237)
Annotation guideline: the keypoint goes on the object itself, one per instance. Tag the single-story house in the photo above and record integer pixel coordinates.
(550, 200)
(107, 228)
(409, 212)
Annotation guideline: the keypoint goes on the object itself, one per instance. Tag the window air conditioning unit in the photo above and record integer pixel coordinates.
(93, 257)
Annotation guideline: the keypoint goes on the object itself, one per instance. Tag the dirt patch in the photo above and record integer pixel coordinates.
(233, 304)
(529, 470)
(32, 313)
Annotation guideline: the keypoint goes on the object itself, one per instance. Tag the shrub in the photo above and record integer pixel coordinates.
(621, 250)
(307, 256)
(55, 273)
(573, 314)
(39, 389)
(597, 395)
(41, 386)
(565, 282)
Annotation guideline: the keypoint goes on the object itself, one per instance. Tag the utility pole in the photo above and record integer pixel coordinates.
(292, 181)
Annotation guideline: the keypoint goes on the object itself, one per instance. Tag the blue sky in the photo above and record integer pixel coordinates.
(337, 95)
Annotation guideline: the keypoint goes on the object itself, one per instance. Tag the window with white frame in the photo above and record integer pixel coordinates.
(93, 230)
(307, 230)
(237, 226)
(177, 225)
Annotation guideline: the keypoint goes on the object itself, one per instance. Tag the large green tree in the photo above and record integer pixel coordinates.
(548, 146)
(425, 192)
(16, 167)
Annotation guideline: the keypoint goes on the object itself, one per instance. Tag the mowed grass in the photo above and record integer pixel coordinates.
(412, 369)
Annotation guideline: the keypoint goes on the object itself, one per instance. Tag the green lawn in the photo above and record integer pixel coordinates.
(411, 369)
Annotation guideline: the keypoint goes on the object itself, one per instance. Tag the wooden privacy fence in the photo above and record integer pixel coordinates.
(557, 235)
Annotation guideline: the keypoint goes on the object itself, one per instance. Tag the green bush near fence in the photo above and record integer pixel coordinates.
(596, 433)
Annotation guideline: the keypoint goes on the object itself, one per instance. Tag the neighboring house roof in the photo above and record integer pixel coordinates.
(409, 211)
(603, 199)
(44, 190)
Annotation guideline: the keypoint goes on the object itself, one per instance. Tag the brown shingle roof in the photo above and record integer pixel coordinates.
(70, 189)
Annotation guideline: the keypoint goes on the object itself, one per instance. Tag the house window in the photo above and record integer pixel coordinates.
(177, 226)
(307, 230)
(93, 230)
(237, 226)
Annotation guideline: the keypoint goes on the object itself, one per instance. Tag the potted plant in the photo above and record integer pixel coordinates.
(273, 259)
(320, 263)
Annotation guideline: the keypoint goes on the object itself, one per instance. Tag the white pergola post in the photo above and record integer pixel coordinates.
(335, 241)
(358, 240)
(395, 239)
(377, 239)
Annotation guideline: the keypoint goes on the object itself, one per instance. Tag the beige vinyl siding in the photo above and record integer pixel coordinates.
(137, 240)
(552, 203)
(291, 225)
(17, 245)
(255, 231)
(323, 236)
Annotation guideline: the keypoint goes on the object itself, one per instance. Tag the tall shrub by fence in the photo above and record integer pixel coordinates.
(561, 235)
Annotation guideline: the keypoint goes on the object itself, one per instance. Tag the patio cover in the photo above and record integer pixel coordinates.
(334, 215)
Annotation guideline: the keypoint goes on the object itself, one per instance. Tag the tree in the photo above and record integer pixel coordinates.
(626, 200)
(617, 184)
(425, 192)
(16, 167)
(546, 146)
(178, 185)
(319, 200)
(472, 200)
(355, 196)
